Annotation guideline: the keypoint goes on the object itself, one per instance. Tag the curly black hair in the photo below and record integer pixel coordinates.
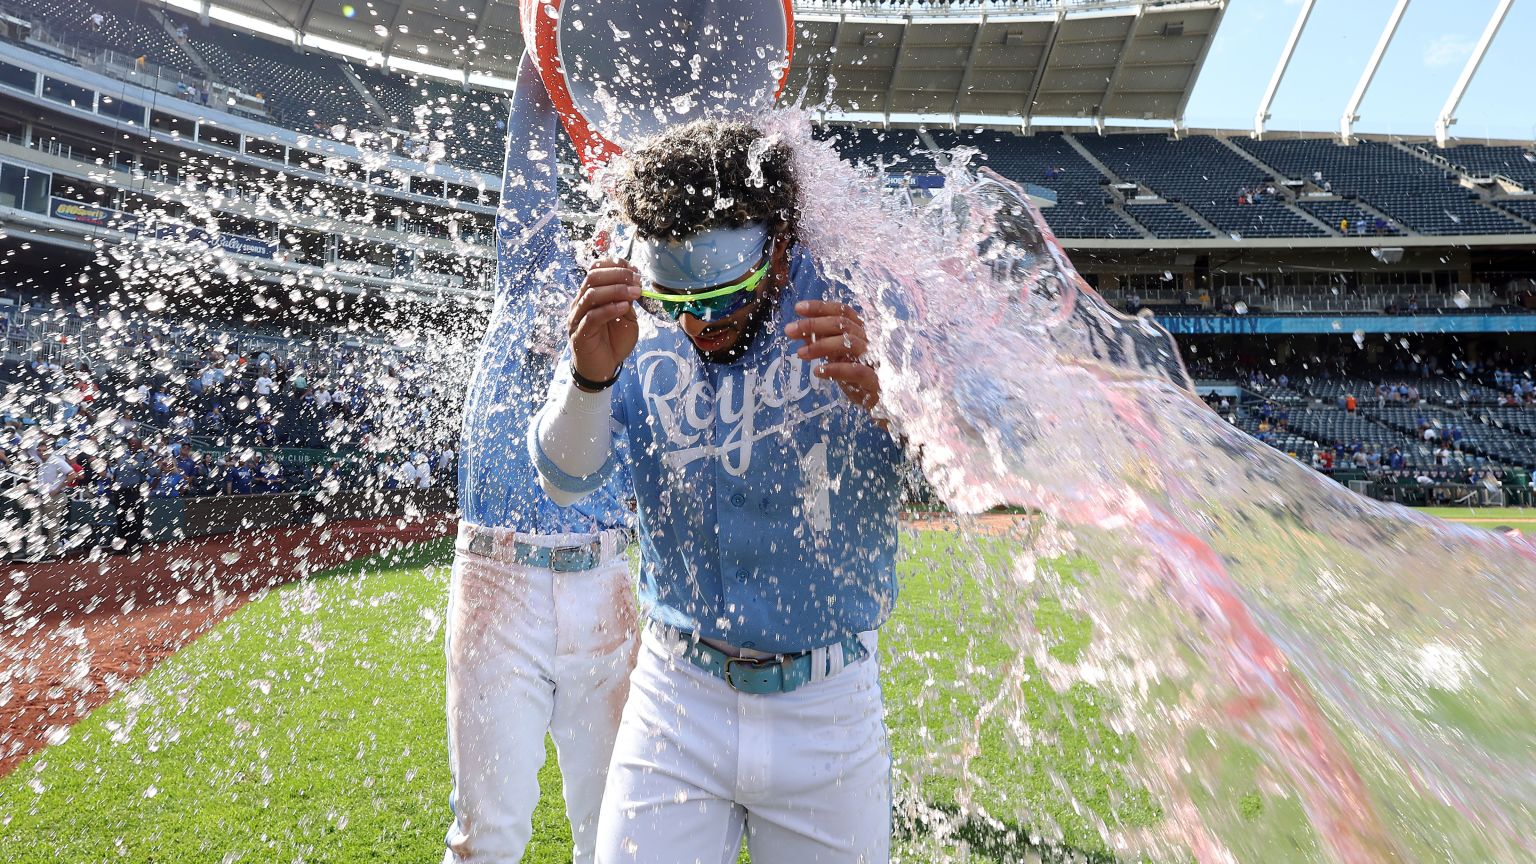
(702, 175)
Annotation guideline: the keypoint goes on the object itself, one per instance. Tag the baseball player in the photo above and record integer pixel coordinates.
(541, 624)
(768, 498)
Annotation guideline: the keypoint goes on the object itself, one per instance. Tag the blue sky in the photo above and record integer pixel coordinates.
(1431, 46)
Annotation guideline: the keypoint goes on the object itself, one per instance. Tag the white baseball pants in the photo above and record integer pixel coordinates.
(532, 651)
(806, 774)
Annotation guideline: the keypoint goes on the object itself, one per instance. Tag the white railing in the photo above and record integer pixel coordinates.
(953, 8)
(1302, 300)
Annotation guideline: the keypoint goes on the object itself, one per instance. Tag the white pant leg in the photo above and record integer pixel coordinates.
(816, 772)
(809, 770)
(500, 645)
(671, 781)
(596, 638)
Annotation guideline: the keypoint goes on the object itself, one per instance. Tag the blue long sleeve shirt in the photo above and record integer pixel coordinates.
(536, 275)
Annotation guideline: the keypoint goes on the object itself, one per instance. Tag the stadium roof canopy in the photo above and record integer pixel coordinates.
(998, 62)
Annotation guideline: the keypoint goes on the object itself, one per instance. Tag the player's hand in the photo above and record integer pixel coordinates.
(602, 324)
(834, 334)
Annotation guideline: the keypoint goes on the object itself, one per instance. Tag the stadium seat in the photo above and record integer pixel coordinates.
(1203, 173)
(1048, 160)
(1408, 189)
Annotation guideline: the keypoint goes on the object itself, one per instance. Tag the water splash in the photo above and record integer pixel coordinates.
(1264, 631)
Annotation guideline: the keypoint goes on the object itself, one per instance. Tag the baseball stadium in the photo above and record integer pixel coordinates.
(674, 431)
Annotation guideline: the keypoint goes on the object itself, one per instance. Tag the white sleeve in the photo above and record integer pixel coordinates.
(572, 441)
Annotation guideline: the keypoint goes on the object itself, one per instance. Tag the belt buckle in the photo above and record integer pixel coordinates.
(482, 544)
(750, 663)
(564, 559)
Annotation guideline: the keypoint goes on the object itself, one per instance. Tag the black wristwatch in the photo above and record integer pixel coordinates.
(587, 385)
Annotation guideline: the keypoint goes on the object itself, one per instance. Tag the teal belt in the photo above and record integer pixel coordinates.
(781, 673)
(560, 559)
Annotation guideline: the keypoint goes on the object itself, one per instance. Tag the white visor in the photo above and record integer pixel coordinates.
(708, 259)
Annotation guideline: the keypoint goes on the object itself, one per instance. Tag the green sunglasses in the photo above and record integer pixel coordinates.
(706, 305)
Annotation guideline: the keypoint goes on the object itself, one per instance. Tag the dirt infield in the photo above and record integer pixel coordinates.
(75, 632)
(987, 523)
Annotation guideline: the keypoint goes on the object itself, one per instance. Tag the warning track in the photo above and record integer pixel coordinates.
(75, 632)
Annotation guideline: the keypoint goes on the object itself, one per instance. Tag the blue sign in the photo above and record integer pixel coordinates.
(233, 243)
(1343, 325)
(90, 214)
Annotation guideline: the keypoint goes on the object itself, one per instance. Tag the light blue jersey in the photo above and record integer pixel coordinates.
(768, 502)
(535, 275)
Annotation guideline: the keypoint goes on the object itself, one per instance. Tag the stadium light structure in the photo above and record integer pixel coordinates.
(1280, 66)
(1448, 114)
(1352, 110)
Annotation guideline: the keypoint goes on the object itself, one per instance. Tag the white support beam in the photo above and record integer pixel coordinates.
(1352, 110)
(836, 48)
(302, 25)
(1194, 74)
(394, 28)
(1448, 113)
(1114, 77)
(890, 84)
(485, 13)
(970, 67)
(1028, 109)
(1285, 61)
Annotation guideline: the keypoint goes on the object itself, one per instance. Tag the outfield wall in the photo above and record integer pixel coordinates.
(168, 519)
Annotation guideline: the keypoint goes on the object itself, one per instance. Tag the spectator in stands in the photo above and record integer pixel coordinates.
(1350, 403)
(97, 21)
(182, 425)
(241, 477)
(328, 477)
(171, 483)
(160, 407)
(210, 474)
(264, 385)
(1395, 460)
(189, 463)
(266, 431)
(131, 476)
(422, 471)
(46, 369)
(270, 478)
(213, 421)
(54, 473)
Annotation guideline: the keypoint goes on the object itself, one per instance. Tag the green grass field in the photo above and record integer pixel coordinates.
(309, 727)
